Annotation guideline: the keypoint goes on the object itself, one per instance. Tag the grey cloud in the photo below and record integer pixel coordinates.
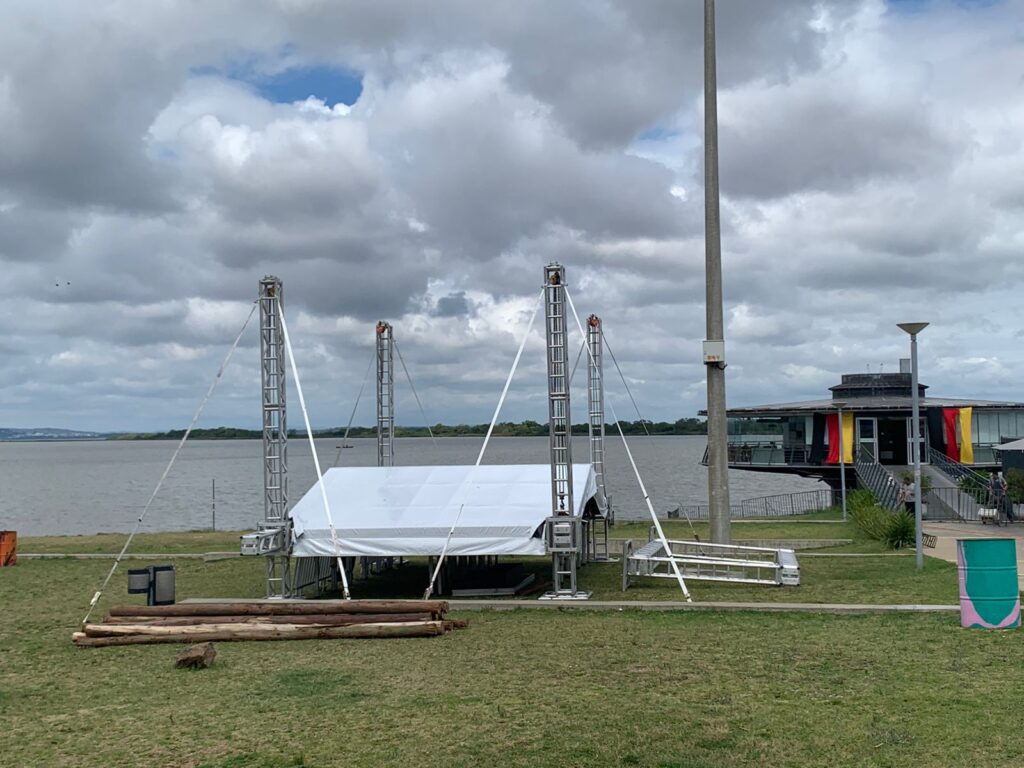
(453, 305)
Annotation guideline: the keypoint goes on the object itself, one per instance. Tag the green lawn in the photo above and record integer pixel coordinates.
(823, 579)
(517, 688)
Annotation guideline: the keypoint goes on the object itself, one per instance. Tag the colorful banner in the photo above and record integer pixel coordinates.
(832, 425)
(848, 437)
(951, 417)
(966, 436)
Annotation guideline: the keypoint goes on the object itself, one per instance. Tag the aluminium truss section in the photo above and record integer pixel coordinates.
(711, 562)
(273, 536)
(385, 396)
(598, 529)
(563, 538)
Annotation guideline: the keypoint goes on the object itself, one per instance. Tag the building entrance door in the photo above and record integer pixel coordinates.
(892, 441)
(867, 436)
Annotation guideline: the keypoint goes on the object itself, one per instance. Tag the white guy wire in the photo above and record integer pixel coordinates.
(174, 456)
(408, 378)
(628, 391)
(351, 416)
(577, 363)
(312, 447)
(487, 439)
(640, 481)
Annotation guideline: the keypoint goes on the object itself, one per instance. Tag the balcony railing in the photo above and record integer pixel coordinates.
(765, 454)
(781, 505)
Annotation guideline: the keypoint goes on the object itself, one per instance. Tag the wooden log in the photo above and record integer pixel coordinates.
(329, 619)
(227, 608)
(196, 657)
(232, 632)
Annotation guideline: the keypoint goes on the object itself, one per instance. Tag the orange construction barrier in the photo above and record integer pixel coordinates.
(8, 548)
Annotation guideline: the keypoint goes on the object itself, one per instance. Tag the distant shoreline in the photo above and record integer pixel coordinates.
(504, 429)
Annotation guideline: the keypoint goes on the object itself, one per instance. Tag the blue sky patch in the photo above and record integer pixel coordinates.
(333, 86)
(330, 84)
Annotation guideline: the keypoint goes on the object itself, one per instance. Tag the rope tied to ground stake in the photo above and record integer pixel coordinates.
(174, 457)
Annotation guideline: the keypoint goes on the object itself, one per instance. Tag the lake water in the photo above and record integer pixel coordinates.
(91, 487)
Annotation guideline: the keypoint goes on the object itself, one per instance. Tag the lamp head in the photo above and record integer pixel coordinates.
(912, 328)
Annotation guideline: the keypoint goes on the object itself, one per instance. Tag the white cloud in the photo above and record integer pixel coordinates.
(871, 166)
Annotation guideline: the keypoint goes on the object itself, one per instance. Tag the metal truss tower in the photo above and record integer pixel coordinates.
(385, 396)
(275, 439)
(563, 530)
(595, 408)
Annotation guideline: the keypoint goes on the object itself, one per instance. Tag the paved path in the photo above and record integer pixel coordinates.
(947, 533)
(637, 605)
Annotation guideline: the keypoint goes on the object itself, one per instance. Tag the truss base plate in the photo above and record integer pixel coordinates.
(578, 595)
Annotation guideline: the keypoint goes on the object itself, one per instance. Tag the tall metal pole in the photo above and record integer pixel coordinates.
(913, 329)
(718, 449)
(842, 463)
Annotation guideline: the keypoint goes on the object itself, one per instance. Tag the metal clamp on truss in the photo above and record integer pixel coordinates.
(562, 534)
(266, 541)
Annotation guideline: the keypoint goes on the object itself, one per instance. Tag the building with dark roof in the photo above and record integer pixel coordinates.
(869, 414)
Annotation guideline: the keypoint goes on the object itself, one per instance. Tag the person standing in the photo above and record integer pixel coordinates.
(998, 497)
(908, 494)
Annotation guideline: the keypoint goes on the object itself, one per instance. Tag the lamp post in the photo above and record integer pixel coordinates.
(714, 347)
(842, 459)
(913, 329)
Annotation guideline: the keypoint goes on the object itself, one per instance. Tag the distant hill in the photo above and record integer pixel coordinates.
(48, 433)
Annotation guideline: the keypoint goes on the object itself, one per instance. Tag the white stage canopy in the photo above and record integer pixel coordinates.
(408, 511)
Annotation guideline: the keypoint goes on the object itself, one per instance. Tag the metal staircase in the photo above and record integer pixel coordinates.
(877, 479)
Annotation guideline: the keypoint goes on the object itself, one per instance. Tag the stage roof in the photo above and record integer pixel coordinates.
(408, 511)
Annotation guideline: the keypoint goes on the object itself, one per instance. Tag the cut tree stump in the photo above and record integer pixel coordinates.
(197, 656)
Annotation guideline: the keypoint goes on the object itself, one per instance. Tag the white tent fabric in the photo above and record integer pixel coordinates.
(408, 511)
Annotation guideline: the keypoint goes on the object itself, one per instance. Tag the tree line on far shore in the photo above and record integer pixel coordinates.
(502, 429)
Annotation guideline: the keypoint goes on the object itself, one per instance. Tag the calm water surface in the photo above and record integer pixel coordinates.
(82, 488)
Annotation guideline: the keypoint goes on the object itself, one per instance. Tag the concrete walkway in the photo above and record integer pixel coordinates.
(632, 605)
(947, 533)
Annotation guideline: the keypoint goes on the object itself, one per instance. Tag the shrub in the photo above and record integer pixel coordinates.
(975, 484)
(861, 498)
(873, 520)
(900, 531)
(1015, 485)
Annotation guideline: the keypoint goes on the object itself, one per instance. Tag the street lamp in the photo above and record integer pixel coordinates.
(842, 459)
(913, 329)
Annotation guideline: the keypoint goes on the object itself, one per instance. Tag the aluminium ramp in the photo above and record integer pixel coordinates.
(703, 561)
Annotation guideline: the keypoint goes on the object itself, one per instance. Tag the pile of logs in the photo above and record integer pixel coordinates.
(205, 622)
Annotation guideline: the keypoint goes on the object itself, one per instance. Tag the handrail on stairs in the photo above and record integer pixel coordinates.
(876, 478)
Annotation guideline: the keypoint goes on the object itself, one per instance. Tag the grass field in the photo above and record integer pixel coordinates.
(519, 688)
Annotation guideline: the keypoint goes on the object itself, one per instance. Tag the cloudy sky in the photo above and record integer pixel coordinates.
(420, 163)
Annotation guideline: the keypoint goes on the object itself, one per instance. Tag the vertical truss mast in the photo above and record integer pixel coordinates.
(275, 438)
(385, 396)
(563, 529)
(595, 409)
